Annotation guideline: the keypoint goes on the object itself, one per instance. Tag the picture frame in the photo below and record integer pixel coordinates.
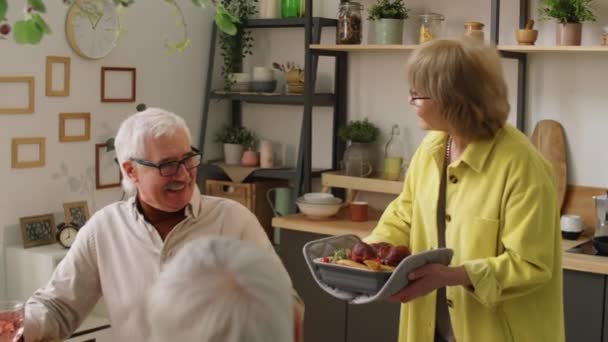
(107, 171)
(17, 163)
(63, 119)
(38, 230)
(114, 84)
(76, 213)
(30, 84)
(51, 61)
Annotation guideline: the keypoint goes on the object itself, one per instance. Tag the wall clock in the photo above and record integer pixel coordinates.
(92, 28)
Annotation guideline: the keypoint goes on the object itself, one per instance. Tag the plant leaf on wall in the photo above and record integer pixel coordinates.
(42, 25)
(3, 8)
(37, 5)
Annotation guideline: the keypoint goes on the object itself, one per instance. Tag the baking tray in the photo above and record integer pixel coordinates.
(350, 278)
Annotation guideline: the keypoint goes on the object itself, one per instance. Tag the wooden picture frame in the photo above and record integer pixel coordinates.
(64, 117)
(102, 167)
(107, 83)
(18, 164)
(38, 230)
(50, 60)
(76, 213)
(31, 95)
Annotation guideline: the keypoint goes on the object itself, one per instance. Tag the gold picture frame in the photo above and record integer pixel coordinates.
(50, 60)
(17, 164)
(64, 117)
(76, 212)
(38, 230)
(31, 95)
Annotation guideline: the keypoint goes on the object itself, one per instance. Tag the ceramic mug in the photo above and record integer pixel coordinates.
(282, 203)
(572, 223)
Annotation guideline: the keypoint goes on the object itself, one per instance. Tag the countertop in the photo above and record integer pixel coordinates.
(342, 225)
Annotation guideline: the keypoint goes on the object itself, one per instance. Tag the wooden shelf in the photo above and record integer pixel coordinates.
(338, 225)
(506, 48)
(335, 179)
(274, 98)
(288, 22)
(545, 49)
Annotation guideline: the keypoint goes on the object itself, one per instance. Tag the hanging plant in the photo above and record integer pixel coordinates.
(237, 46)
(32, 28)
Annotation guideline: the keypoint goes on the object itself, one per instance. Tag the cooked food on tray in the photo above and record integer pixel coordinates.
(380, 256)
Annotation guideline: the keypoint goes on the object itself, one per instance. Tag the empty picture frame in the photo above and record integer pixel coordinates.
(107, 171)
(18, 162)
(56, 85)
(67, 119)
(118, 84)
(76, 213)
(38, 230)
(17, 95)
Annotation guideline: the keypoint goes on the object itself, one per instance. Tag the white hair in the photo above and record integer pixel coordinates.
(222, 290)
(130, 141)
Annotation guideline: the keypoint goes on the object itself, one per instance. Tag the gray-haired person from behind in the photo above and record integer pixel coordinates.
(221, 290)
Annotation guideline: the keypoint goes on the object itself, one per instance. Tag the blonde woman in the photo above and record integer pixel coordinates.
(478, 186)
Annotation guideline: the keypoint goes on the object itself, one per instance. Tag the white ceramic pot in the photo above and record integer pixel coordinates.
(319, 211)
(232, 154)
(261, 73)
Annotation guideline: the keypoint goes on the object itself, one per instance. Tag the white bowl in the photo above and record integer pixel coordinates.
(319, 210)
(319, 197)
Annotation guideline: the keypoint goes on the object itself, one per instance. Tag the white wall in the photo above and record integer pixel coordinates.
(174, 82)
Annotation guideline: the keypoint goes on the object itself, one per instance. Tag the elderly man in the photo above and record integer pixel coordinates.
(221, 289)
(121, 250)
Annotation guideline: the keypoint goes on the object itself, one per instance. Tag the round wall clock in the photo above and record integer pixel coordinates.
(92, 33)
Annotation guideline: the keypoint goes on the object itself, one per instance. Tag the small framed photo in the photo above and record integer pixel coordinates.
(38, 230)
(76, 213)
(118, 84)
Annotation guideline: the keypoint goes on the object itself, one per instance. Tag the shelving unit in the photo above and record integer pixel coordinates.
(505, 48)
(301, 175)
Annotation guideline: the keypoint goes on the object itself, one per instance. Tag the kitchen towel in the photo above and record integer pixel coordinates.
(397, 280)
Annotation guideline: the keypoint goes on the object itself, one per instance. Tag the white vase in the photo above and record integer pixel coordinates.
(232, 154)
(267, 9)
(266, 154)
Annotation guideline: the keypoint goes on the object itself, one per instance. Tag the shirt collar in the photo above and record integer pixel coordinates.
(475, 154)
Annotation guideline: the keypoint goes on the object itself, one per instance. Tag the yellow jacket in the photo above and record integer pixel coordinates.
(502, 221)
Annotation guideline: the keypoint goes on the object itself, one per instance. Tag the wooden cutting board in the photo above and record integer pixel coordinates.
(548, 137)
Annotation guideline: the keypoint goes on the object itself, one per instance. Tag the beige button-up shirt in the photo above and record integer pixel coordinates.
(119, 255)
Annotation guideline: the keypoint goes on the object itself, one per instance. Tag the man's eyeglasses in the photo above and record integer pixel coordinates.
(170, 168)
(415, 96)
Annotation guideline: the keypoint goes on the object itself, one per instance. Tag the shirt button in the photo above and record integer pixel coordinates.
(450, 303)
(453, 179)
(448, 218)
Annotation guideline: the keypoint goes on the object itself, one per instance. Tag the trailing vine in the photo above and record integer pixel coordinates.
(236, 47)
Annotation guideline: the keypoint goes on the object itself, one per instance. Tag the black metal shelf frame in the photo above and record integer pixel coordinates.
(301, 175)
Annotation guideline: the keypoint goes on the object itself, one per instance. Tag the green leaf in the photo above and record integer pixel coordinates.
(200, 3)
(37, 5)
(42, 25)
(225, 24)
(233, 18)
(3, 8)
(27, 32)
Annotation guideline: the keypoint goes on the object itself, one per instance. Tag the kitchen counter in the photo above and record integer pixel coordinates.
(340, 225)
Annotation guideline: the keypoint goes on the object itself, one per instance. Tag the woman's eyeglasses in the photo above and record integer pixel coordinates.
(170, 168)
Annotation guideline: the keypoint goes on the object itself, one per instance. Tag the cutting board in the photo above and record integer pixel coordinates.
(548, 137)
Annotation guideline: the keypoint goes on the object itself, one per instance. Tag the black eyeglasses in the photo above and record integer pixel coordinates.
(414, 96)
(170, 168)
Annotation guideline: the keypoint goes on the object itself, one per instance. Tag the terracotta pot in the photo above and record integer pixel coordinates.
(250, 158)
(568, 34)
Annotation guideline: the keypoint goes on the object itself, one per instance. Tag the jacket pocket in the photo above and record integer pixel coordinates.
(481, 239)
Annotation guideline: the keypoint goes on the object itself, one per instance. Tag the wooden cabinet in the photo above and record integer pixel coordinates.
(584, 306)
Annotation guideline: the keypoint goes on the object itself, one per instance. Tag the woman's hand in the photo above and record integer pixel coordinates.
(428, 278)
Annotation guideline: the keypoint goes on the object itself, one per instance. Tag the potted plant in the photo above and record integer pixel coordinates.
(235, 47)
(570, 15)
(235, 139)
(388, 17)
(361, 134)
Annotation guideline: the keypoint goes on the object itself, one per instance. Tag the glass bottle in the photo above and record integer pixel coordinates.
(430, 26)
(393, 155)
(349, 23)
(290, 8)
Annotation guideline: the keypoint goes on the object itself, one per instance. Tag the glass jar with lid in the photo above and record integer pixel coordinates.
(349, 23)
(474, 29)
(431, 27)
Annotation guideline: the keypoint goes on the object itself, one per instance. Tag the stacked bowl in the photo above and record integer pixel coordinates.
(319, 205)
